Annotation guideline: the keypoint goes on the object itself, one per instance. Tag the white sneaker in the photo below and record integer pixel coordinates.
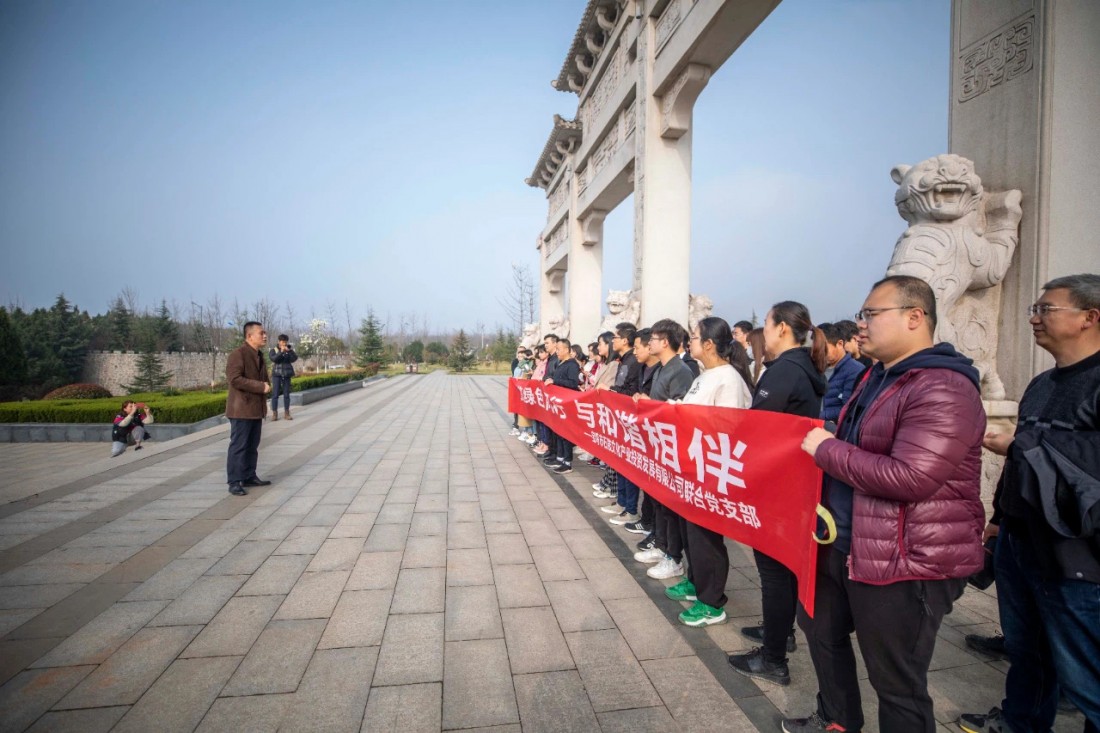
(612, 509)
(650, 556)
(514, 431)
(598, 486)
(624, 518)
(666, 568)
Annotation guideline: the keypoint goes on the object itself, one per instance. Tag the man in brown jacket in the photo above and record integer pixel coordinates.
(245, 406)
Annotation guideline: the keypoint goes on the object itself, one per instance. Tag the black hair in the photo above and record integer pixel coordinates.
(605, 338)
(716, 330)
(915, 293)
(797, 318)
(745, 326)
(848, 329)
(526, 353)
(284, 337)
(626, 331)
(833, 332)
(643, 336)
(248, 326)
(552, 337)
(567, 343)
(670, 330)
(579, 354)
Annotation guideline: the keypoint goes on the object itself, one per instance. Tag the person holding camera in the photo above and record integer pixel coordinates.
(282, 369)
(130, 421)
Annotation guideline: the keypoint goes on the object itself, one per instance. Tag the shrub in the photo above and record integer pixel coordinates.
(185, 408)
(313, 381)
(79, 392)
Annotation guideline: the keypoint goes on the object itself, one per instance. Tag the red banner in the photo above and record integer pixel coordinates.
(741, 473)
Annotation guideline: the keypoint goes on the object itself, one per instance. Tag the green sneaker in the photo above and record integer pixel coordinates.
(682, 591)
(702, 615)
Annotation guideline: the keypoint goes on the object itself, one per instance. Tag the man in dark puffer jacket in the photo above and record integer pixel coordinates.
(903, 483)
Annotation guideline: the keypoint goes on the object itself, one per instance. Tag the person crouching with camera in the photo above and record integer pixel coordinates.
(130, 422)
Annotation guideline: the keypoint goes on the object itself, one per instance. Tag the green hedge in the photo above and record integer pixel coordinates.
(184, 408)
(313, 381)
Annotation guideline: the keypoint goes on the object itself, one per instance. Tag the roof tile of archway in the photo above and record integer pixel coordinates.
(599, 18)
(564, 138)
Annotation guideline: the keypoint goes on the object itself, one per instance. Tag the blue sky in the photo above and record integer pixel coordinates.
(374, 152)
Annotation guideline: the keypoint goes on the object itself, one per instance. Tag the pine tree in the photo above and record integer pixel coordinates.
(69, 332)
(151, 374)
(168, 334)
(13, 361)
(370, 349)
(414, 352)
(121, 324)
(462, 356)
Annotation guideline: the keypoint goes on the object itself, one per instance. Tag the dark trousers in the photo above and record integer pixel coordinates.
(563, 449)
(280, 384)
(668, 532)
(628, 494)
(244, 445)
(708, 564)
(779, 599)
(896, 626)
(1052, 637)
(649, 509)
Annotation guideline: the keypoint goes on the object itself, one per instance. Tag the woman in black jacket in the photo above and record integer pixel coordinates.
(793, 383)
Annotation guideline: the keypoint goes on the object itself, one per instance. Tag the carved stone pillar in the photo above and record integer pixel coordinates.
(551, 299)
(586, 275)
(662, 193)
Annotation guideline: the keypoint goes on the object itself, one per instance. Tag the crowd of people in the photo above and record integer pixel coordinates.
(901, 455)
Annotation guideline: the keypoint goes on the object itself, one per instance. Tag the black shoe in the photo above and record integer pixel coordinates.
(753, 664)
(756, 633)
(990, 722)
(991, 646)
(550, 460)
(256, 481)
(236, 489)
(635, 528)
(563, 468)
(812, 724)
(646, 543)
(593, 461)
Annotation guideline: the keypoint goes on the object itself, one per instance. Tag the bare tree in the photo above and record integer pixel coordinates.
(518, 300)
(265, 312)
(352, 333)
(131, 297)
(292, 325)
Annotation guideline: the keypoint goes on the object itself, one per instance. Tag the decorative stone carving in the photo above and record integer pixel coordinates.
(623, 307)
(607, 16)
(554, 242)
(605, 87)
(960, 241)
(559, 326)
(699, 307)
(530, 336)
(677, 102)
(557, 199)
(668, 22)
(554, 280)
(1001, 56)
(592, 227)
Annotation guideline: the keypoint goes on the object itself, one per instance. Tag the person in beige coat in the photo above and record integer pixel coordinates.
(245, 406)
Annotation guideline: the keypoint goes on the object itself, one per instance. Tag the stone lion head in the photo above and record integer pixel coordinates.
(943, 188)
(617, 301)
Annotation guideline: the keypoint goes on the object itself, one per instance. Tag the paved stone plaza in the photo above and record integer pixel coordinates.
(411, 568)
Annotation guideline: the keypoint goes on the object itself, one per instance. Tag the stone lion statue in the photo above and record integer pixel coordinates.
(530, 337)
(960, 241)
(559, 326)
(623, 307)
(699, 307)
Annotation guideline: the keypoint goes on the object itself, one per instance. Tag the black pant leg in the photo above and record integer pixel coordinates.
(829, 635)
(779, 598)
(252, 454)
(709, 564)
(660, 530)
(896, 626)
(649, 510)
(674, 534)
(236, 462)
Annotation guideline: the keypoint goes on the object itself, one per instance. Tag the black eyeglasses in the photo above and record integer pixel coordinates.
(867, 314)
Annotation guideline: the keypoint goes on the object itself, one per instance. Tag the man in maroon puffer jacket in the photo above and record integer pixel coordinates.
(903, 483)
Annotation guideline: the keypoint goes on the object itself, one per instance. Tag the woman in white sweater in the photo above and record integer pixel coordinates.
(724, 382)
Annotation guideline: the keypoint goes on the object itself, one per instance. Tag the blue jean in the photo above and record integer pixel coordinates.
(1052, 638)
(277, 384)
(628, 494)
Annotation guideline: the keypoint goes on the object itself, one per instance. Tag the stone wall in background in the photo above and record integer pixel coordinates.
(112, 369)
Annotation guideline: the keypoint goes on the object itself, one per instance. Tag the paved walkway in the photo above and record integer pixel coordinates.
(411, 568)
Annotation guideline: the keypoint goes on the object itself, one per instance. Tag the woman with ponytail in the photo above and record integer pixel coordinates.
(793, 383)
(724, 382)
